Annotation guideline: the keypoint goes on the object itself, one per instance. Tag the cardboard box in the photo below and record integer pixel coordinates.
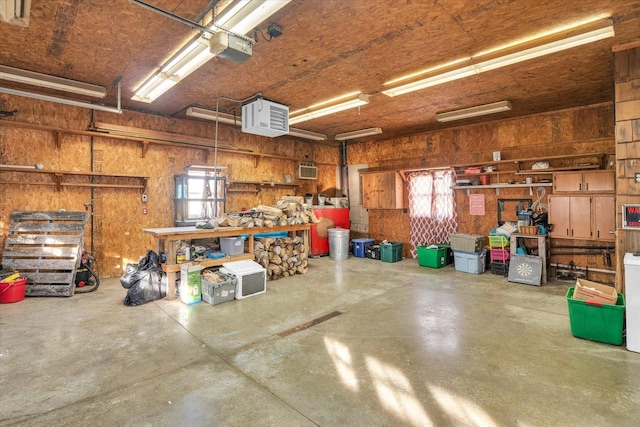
(587, 290)
(190, 286)
(467, 242)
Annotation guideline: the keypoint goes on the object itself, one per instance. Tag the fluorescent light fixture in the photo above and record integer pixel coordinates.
(478, 110)
(239, 17)
(207, 114)
(204, 113)
(307, 134)
(65, 101)
(480, 63)
(51, 82)
(309, 113)
(438, 79)
(358, 134)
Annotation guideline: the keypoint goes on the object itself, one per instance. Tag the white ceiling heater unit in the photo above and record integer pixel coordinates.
(266, 118)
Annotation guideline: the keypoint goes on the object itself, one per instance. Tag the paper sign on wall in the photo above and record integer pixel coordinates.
(476, 204)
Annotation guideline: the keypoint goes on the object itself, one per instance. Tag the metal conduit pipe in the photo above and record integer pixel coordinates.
(569, 267)
(611, 248)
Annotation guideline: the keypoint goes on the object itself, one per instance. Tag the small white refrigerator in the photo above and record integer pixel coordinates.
(632, 300)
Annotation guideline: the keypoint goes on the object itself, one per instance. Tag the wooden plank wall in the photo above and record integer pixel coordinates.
(114, 229)
(627, 92)
(572, 131)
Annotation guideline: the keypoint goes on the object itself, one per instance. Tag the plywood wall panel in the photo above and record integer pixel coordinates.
(579, 130)
(118, 214)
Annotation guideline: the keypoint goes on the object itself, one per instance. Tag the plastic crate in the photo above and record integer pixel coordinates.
(391, 252)
(449, 257)
(501, 255)
(232, 245)
(217, 293)
(500, 242)
(470, 262)
(359, 247)
(500, 268)
(595, 321)
(467, 242)
(372, 251)
(432, 257)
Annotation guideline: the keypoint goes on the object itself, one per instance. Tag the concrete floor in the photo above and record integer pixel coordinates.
(413, 346)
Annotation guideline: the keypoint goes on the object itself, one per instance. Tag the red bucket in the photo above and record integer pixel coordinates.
(12, 291)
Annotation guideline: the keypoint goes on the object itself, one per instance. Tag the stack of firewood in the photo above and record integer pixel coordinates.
(288, 211)
(281, 257)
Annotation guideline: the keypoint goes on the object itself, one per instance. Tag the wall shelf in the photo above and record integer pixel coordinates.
(257, 186)
(58, 178)
(497, 187)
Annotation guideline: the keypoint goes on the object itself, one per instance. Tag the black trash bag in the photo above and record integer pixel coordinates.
(145, 281)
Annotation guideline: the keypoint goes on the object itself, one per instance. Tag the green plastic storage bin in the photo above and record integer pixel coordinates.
(596, 321)
(391, 252)
(432, 257)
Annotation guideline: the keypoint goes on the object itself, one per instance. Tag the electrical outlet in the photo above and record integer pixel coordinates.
(144, 198)
(637, 177)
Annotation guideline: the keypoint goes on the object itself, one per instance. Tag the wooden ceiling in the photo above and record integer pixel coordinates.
(329, 48)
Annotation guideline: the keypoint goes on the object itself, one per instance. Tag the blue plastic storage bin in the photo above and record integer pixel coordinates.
(359, 247)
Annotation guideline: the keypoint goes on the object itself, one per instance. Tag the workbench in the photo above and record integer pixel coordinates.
(168, 237)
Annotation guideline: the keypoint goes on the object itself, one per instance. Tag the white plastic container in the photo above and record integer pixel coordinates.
(632, 298)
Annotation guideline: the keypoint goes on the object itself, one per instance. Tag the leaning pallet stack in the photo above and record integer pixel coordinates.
(499, 254)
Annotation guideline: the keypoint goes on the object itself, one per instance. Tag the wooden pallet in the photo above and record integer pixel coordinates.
(46, 248)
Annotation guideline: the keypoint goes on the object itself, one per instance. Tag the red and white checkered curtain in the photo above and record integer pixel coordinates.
(432, 207)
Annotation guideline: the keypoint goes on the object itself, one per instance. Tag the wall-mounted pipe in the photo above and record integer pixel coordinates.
(573, 267)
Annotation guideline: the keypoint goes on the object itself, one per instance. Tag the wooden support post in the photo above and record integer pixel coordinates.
(58, 178)
(58, 136)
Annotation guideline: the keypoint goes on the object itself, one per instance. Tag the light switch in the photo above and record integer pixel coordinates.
(637, 177)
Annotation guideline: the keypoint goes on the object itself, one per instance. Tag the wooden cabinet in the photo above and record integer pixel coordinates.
(587, 217)
(600, 181)
(382, 190)
(604, 217)
(570, 216)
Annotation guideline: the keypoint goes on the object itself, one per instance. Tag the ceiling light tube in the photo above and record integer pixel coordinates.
(361, 99)
(358, 134)
(51, 82)
(240, 17)
(204, 113)
(478, 110)
(438, 79)
(244, 16)
(307, 134)
(552, 43)
(545, 49)
(60, 100)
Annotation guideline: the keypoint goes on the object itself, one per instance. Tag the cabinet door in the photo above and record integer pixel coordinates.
(559, 216)
(570, 216)
(370, 190)
(390, 190)
(567, 181)
(599, 181)
(580, 217)
(382, 190)
(604, 217)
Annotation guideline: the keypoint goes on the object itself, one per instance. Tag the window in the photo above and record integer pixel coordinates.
(432, 207)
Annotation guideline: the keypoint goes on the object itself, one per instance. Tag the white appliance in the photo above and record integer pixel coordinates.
(266, 118)
(251, 276)
(632, 300)
(230, 46)
(307, 170)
